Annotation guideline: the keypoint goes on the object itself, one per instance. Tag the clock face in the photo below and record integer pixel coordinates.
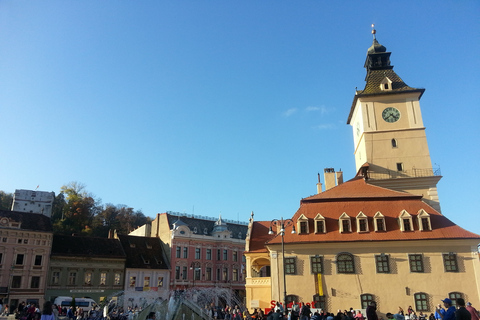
(391, 114)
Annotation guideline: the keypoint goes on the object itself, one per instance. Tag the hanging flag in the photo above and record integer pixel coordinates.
(320, 285)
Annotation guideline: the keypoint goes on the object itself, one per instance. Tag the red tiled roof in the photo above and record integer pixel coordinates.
(353, 197)
(259, 236)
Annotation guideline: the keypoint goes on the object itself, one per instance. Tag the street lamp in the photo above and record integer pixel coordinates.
(195, 266)
(282, 224)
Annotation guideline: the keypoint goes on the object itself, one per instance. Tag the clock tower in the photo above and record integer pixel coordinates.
(389, 136)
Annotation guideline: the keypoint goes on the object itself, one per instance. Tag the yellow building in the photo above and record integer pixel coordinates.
(379, 236)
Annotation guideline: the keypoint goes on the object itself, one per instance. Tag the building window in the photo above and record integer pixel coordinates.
(88, 278)
(235, 256)
(209, 254)
(450, 262)
(291, 298)
(345, 263)
(303, 227)
(380, 224)
(319, 302)
(406, 225)
(344, 223)
(117, 279)
(394, 143)
(185, 252)
(72, 278)
(19, 260)
(362, 225)
(218, 275)
(416, 262)
(103, 278)
(160, 282)
(320, 225)
(235, 274)
(316, 264)
(421, 301)
(1, 258)
(133, 281)
(225, 254)
(179, 250)
(177, 272)
(399, 166)
(454, 296)
(146, 282)
(16, 281)
(184, 273)
(382, 263)
(290, 266)
(424, 221)
(425, 224)
(198, 253)
(366, 299)
(208, 274)
(225, 274)
(55, 277)
(196, 273)
(38, 260)
(35, 283)
(219, 252)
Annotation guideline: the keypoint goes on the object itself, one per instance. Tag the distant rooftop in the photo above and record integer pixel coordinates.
(245, 223)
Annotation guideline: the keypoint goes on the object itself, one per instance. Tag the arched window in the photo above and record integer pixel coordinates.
(345, 263)
(394, 143)
(454, 296)
(421, 301)
(291, 298)
(366, 299)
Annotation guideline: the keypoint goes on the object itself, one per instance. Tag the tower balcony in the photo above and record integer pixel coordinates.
(382, 174)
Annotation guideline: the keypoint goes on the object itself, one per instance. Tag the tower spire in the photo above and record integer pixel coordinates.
(374, 32)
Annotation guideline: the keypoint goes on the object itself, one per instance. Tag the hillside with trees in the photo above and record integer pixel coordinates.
(76, 211)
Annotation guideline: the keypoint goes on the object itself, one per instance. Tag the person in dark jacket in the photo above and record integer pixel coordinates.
(462, 313)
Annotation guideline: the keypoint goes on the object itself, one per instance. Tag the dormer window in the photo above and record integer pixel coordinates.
(362, 222)
(302, 224)
(379, 220)
(239, 235)
(205, 231)
(320, 226)
(424, 221)
(386, 84)
(195, 230)
(344, 223)
(405, 221)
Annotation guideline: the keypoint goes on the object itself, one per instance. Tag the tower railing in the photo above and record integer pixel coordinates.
(412, 173)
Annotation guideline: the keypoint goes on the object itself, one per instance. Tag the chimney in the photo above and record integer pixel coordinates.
(319, 185)
(329, 174)
(339, 177)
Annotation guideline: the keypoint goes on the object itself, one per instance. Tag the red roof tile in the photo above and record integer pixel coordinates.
(353, 197)
(259, 236)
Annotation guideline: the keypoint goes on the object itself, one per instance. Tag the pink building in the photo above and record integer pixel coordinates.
(203, 252)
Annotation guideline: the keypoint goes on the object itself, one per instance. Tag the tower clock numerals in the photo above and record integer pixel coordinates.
(391, 114)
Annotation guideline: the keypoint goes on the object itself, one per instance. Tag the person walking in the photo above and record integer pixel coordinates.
(472, 311)
(47, 312)
(462, 313)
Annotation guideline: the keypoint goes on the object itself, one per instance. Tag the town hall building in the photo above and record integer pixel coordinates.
(377, 237)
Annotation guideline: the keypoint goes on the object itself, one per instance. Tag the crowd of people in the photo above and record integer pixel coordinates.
(302, 311)
(51, 311)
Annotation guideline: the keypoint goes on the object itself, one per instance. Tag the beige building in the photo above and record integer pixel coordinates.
(25, 242)
(377, 237)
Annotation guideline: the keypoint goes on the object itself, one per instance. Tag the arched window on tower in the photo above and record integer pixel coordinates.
(394, 143)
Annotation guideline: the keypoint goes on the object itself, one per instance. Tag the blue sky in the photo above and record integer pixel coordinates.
(224, 107)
